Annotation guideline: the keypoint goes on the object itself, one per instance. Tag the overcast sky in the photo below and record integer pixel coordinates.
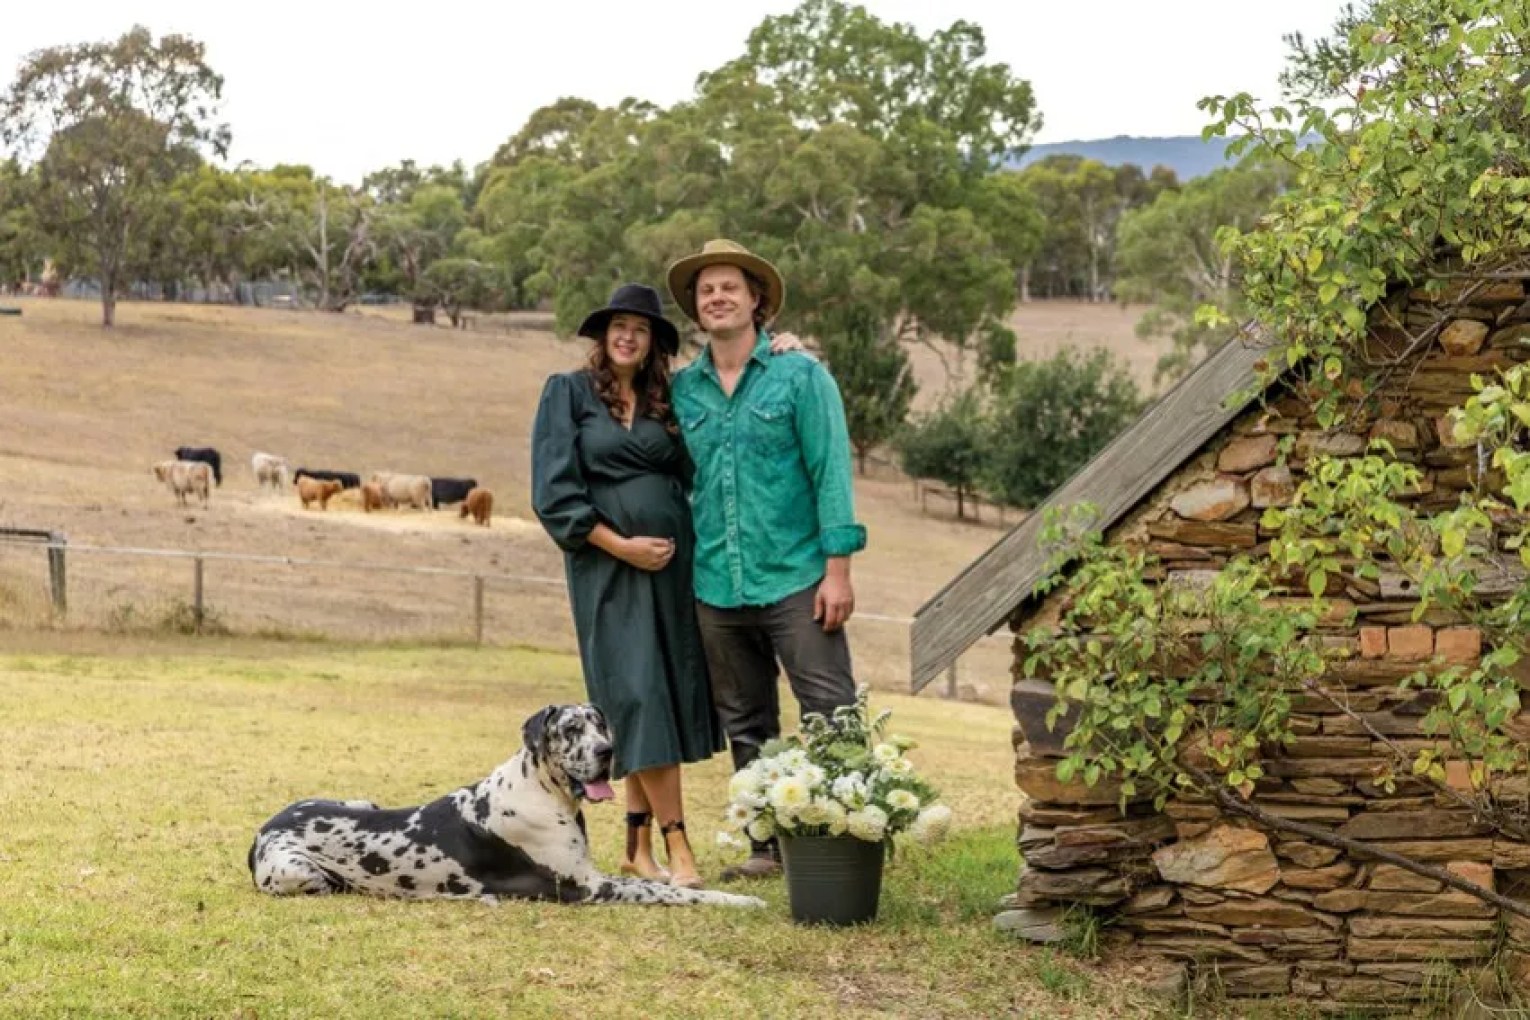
(349, 87)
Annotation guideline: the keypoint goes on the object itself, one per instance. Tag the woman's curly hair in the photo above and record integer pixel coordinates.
(651, 385)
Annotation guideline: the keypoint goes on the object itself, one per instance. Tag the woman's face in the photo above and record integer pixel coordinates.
(629, 338)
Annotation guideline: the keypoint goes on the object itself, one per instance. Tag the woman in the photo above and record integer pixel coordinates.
(608, 474)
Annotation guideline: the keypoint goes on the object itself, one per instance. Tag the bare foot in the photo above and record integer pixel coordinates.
(682, 862)
(644, 866)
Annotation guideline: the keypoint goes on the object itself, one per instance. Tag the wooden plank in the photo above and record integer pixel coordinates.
(983, 595)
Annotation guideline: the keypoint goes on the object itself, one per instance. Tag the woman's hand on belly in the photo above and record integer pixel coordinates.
(641, 551)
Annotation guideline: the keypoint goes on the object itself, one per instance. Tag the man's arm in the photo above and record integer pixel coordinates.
(825, 442)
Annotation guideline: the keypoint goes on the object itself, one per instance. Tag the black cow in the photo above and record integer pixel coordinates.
(207, 455)
(347, 479)
(446, 491)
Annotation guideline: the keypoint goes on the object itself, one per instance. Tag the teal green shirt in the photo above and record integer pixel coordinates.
(772, 497)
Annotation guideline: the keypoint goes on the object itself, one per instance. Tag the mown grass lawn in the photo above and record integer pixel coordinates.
(133, 774)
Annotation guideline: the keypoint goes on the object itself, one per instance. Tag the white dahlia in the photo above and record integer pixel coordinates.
(903, 800)
(789, 794)
(869, 823)
(932, 824)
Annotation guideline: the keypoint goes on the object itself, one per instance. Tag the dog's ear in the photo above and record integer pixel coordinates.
(600, 718)
(534, 732)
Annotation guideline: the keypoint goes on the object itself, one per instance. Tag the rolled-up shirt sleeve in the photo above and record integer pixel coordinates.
(825, 442)
(559, 495)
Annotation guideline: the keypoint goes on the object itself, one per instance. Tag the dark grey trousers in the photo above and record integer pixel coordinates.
(742, 647)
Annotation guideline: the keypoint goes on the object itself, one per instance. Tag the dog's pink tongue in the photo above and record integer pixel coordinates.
(598, 791)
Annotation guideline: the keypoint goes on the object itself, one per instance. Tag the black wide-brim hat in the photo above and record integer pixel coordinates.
(634, 299)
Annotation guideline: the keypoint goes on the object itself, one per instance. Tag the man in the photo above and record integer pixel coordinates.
(773, 507)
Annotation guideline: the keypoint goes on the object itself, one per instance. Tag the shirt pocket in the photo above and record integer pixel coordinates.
(699, 435)
(770, 428)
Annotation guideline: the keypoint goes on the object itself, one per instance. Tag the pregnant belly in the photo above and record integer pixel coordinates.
(650, 505)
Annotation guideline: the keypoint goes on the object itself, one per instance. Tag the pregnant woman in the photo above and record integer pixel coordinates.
(608, 484)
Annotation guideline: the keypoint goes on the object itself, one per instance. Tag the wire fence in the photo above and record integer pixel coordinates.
(48, 581)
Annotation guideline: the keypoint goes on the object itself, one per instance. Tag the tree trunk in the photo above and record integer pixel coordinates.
(860, 460)
(1025, 285)
(961, 504)
(108, 294)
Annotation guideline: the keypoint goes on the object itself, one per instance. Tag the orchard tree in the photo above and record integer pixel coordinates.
(1049, 418)
(109, 126)
(947, 445)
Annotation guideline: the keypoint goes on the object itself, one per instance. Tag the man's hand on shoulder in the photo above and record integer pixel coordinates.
(835, 601)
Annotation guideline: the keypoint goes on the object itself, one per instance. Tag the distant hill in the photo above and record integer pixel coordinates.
(1188, 155)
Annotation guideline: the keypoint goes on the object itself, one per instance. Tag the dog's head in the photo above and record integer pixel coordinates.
(574, 741)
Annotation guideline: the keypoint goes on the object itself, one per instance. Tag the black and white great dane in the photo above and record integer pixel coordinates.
(517, 834)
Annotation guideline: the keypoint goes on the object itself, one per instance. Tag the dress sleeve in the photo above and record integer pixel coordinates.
(559, 495)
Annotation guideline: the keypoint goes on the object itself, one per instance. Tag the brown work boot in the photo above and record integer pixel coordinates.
(764, 861)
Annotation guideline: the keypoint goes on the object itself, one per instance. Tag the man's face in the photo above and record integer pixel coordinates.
(724, 303)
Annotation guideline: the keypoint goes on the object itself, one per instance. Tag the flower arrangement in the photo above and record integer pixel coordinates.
(838, 776)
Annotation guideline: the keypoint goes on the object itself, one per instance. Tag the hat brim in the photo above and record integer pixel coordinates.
(664, 332)
(682, 279)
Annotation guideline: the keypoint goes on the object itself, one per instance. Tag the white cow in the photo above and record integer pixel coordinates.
(186, 477)
(401, 490)
(271, 470)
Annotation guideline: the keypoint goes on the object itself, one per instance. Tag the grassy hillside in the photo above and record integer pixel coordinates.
(84, 413)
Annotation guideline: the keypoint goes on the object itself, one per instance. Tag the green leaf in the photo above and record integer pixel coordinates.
(1317, 582)
(1453, 542)
(1314, 260)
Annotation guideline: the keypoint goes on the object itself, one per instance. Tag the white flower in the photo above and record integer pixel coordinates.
(932, 824)
(728, 841)
(744, 782)
(794, 759)
(814, 775)
(901, 768)
(885, 754)
(850, 789)
(770, 770)
(790, 793)
(902, 800)
(835, 816)
(761, 829)
(869, 823)
(737, 816)
(813, 812)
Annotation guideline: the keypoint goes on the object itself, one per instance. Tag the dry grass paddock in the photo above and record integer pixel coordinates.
(136, 771)
(84, 412)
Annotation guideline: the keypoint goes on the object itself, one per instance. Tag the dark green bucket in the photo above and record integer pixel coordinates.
(834, 880)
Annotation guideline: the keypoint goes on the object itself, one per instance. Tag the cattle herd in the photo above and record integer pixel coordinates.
(196, 470)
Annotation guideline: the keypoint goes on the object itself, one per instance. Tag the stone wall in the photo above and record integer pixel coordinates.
(1279, 915)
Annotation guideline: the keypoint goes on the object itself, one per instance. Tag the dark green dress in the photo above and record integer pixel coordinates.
(638, 639)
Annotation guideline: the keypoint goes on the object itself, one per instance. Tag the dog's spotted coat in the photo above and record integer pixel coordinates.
(519, 833)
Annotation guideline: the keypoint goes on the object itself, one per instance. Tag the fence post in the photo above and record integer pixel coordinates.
(951, 682)
(478, 609)
(57, 579)
(196, 594)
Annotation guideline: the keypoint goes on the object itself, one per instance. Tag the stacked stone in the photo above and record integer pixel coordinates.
(1276, 914)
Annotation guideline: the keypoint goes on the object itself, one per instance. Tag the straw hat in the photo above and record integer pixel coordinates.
(722, 252)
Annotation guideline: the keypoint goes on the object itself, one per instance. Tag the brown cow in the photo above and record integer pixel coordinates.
(372, 497)
(479, 503)
(312, 490)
